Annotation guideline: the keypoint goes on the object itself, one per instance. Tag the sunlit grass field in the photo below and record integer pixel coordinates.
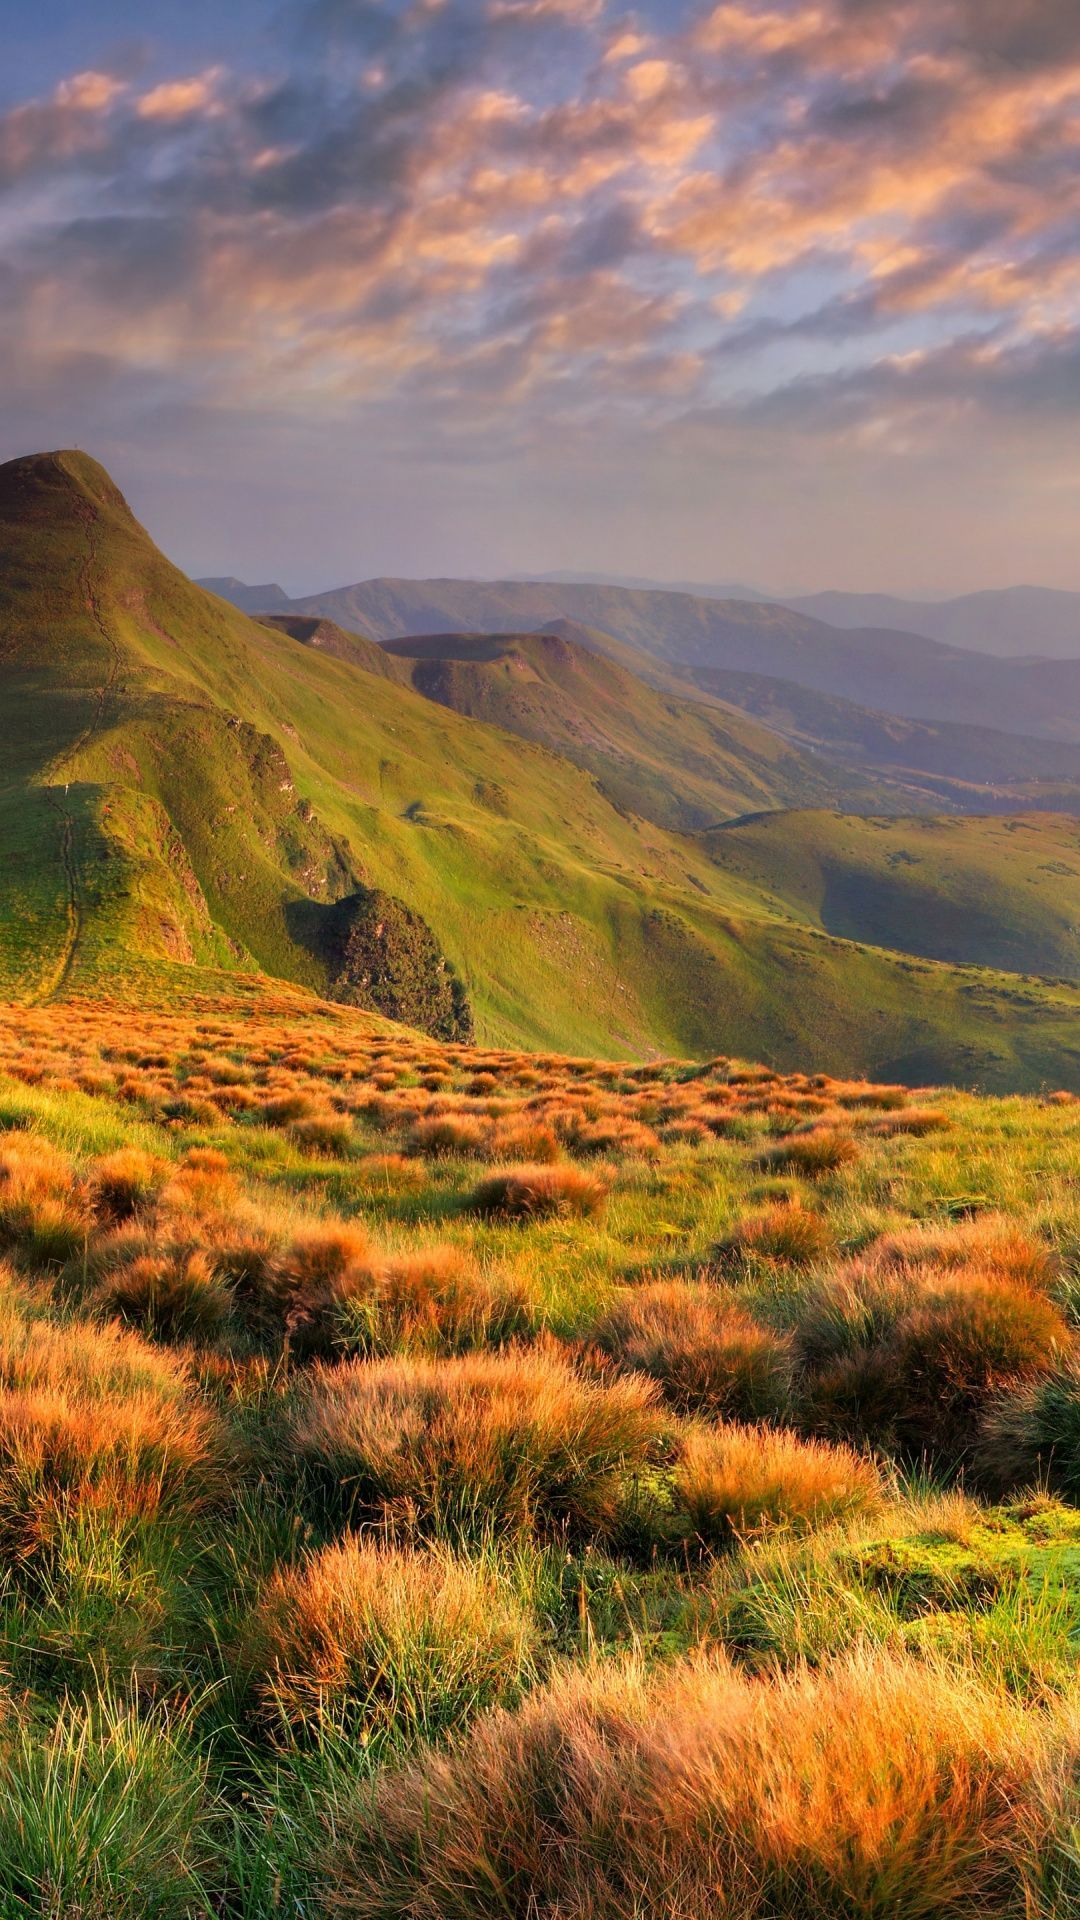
(447, 1482)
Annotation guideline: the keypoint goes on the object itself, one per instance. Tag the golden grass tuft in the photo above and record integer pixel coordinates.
(704, 1351)
(989, 1242)
(787, 1235)
(307, 1287)
(449, 1133)
(437, 1300)
(736, 1480)
(95, 1414)
(876, 1787)
(383, 1641)
(125, 1183)
(540, 1193)
(177, 1294)
(516, 1440)
(814, 1154)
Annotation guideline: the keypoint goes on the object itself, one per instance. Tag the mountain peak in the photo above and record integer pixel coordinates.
(42, 487)
(268, 598)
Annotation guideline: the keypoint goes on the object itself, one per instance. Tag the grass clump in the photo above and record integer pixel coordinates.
(126, 1183)
(486, 1441)
(990, 1243)
(95, 1416)
(735, 1480)
(437, 1300)
(959, 1347)
(301, 1292)
(449, 1133)
(384, 1643)
(174, 1295)
(784, 1235)
(1032, 1433)
(540, 1193)
(706, 1353)
(911, 1359)
(812, 1155)
(874, 1788)
(106, 1812)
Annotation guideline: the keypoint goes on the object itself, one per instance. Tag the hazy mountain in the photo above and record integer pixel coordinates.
(705, 590)
(973, 769)
(264, 599)
(1014, 622)
(880, 668)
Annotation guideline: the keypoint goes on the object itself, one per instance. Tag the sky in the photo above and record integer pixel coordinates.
(779, 291)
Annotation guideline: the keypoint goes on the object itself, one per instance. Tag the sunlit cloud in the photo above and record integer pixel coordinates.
(513, 216)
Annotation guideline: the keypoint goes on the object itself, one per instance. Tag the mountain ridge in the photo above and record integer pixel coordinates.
(879, 668)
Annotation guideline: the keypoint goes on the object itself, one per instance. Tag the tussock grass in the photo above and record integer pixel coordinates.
(706, 1353)
(384, 1643)
(517, 1440)
(311, 1464)
(735, 1480)
(539, 1193)
(877, 1788)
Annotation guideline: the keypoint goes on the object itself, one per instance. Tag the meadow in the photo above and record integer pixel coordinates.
(443, 1481)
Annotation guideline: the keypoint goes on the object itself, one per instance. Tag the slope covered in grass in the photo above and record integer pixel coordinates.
(999, 892)
(673, 760)
(449, 1481)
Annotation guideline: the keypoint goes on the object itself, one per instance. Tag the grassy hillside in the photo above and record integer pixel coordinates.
(903, 673)
(676, 761)
(446, 1481)
(1002, 893)
(183, 788)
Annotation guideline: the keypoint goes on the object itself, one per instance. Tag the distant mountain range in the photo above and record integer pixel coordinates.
(878, 667)
(1010, 623)
(1007, 622)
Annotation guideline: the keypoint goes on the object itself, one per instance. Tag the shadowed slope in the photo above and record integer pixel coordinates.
(995, 892)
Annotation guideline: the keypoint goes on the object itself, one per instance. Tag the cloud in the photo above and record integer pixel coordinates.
(459, 219)
(177, 99)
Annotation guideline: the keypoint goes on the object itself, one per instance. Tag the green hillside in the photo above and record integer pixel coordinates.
(994, 892)
(183, 789)
(679, 762)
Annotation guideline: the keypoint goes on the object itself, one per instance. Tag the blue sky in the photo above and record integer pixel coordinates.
(776, 290)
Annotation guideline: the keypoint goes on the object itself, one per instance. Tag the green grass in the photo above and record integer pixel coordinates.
(1001, 893)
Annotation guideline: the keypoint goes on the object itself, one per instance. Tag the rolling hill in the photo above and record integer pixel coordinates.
(682, 763)
(1004, 890)
(881, 668)
(188, 797)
